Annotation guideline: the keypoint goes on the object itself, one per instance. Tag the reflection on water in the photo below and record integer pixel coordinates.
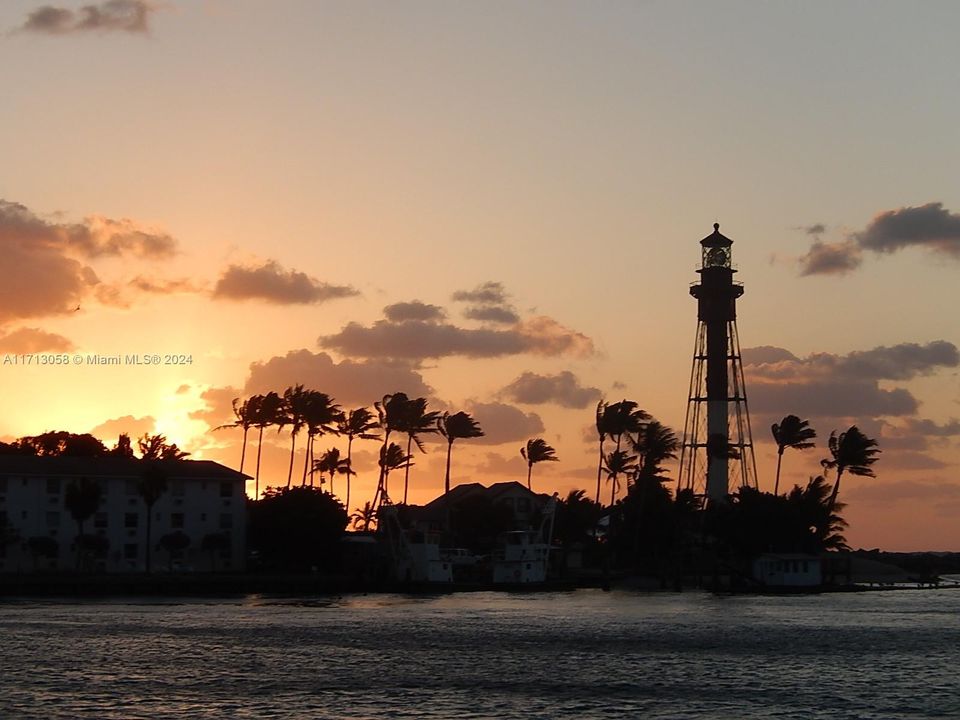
(585, 654)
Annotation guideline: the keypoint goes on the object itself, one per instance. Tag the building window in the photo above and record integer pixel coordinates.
(100, 520)
(131, 520)
(53, 486)
(226, 521)
(203, 517)
(53, 519)
(176, 520)
(226, 489)
(132, 487)
(177, 488)
(130, 551)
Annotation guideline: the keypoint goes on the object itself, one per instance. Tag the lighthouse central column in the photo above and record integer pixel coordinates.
(717, 416)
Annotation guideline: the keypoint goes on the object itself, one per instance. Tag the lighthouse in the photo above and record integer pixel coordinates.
(717, 443)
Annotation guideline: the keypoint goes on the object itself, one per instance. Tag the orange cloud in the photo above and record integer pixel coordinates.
(272, 283)
(34, 340)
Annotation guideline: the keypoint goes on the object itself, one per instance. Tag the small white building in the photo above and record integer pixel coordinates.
(205, 501)
(788, 570)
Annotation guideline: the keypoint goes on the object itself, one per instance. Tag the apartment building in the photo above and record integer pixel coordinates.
(204, 505)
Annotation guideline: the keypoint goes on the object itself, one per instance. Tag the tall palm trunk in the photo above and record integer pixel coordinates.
(306, 461)
(382, 480)
(256, 482)
(529, 473)
(406, 471)
(776, 485)
(293, 446)
(599, 470)
(346, 505)
(836, 490)
(243, 452)
(613, 490)
(446, 482)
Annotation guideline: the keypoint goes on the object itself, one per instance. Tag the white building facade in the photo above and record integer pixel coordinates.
(204, 504)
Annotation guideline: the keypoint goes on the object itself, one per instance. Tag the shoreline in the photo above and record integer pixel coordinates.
(306, 585)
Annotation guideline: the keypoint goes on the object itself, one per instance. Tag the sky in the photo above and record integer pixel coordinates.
(496, 206)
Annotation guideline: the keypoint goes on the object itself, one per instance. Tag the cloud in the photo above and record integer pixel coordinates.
(931, 226)
(841, 386)
(496, 464)
(135, 427)
(489, 293)
(414, 310)
(489, 304)
(841, 398)
(163, 287)
(503, 423)
(420, 340)
(831, 258)
(100, 236)
(349, 382)
(887, 492)
(34, 340)
(270, 282)
(898, 362)
(901, 362)
(183, 389)
(562, 389)
(44, 271)
(495, 314)
(130, 16)
(815, 229)
(217, 406)
(765, 354)
(933, 429)
(911, 460)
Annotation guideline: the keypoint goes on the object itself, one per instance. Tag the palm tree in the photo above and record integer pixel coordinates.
(390, 412)
(156, 447)
(453, 427)
(320, 416)
(654, 443)
(618, 463)
(416, 421)
(604, 424)
(293, 413)
(812, 503)
(362, 517)
(853, 451)
(268, 412)
(357, 423)
(612, 421)
(245, 415)
(393, 459)
(82, 499)
(153, 484)
(331, 462)
(537, 450)
(625, 418)
(791, 432)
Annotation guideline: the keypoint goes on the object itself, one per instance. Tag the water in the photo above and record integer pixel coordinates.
(584, 654)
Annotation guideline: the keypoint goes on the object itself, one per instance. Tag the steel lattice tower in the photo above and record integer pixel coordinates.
(716, 434)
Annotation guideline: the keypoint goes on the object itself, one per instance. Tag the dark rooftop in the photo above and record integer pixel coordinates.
(113, 467)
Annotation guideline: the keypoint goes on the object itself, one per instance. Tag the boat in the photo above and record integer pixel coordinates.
(414, 555)
(522, 556)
